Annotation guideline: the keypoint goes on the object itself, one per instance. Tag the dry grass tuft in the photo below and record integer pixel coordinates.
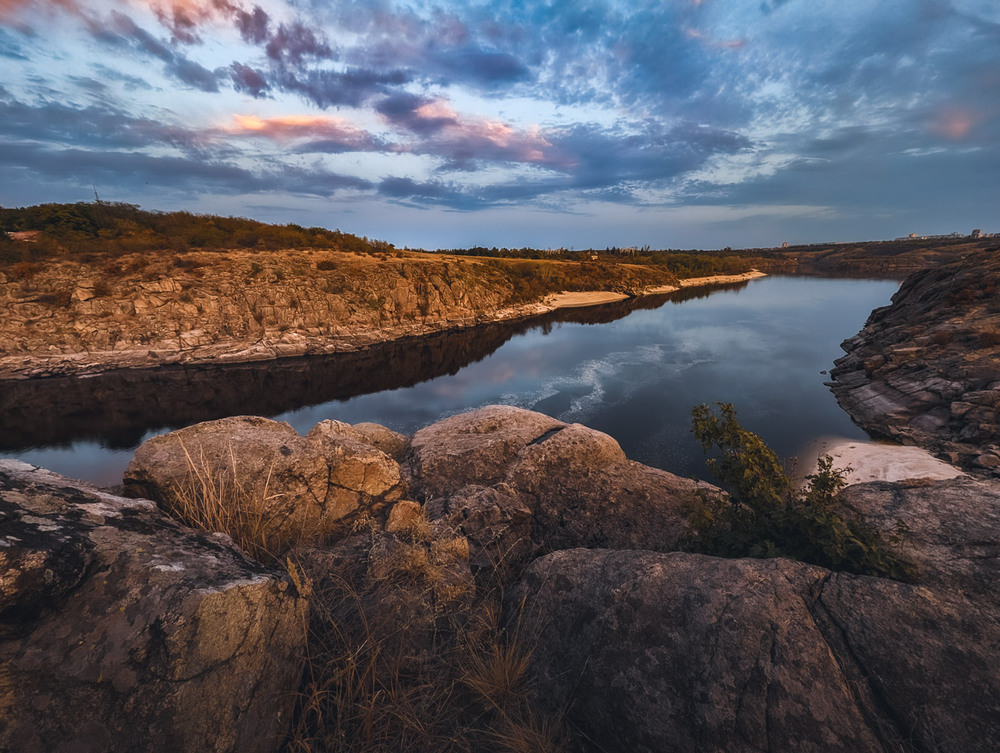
(214, 499)
(404, 652)
(383, 675)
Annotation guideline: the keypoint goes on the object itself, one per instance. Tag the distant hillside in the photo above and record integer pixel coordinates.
(111, 228)
(895, 259)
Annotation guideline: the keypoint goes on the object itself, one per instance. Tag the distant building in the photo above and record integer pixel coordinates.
(785, 244)
(913, 235)
(977, 233)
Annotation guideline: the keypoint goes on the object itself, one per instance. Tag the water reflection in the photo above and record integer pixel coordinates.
(635, 375)
(118, 409)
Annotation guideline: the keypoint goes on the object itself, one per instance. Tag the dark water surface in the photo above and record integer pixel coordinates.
(632, 369)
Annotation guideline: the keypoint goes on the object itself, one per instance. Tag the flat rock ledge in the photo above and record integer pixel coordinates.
(121, 630)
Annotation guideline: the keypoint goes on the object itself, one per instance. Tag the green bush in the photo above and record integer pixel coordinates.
(765, 516)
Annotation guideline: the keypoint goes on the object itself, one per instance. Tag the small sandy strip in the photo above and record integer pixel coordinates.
(574, 300)
(596, 297)
(874, 461)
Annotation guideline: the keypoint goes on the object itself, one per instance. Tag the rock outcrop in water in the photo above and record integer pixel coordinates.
(926, 369)
(642, 647)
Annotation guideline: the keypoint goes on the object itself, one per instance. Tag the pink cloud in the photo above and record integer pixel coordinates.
(463, 139)
(954, 123)
(300, 127)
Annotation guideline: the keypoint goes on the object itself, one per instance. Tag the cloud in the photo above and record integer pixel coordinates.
(463, 141)
(249, 81)
(329, 88)
(9, 48)
(122, 31)
(93, 126)
(291, 43)
(324, 133)
(253, 25)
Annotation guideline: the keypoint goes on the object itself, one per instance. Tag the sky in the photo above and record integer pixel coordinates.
(556, 123)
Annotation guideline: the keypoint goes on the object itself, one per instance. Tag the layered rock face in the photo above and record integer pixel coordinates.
(926, 369)
(121, 630)
(147, 310)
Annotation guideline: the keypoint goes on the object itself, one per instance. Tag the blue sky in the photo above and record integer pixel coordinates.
(577, 123)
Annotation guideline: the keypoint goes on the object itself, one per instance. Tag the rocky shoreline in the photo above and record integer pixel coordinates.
(925, 370)
(241, 307)
(115, 618)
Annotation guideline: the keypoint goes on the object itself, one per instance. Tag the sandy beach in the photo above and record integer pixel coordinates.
(597, 297)
(874, 461)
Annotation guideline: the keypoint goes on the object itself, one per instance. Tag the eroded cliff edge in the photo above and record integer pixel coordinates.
(925, 370)
(139, 310)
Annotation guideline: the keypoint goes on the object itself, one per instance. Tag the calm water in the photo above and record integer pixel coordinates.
(633, 370)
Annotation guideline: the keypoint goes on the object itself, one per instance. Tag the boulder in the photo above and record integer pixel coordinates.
(684, 652)
(310, 487)
(392, 443)
(495, 520)
(577, 483)
(585, 492)
(949, 529)
(124, 631)
(472, 448)
(930, 656)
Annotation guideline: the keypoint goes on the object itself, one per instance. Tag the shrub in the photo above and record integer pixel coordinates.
(325, 265)
(764, 516)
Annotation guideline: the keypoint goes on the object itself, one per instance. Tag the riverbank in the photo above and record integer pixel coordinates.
(598, 297)
(80, 318)
(926, 370)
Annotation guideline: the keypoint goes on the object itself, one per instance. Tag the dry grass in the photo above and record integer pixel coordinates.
(404, 652)
(384, 676)
(215, 499)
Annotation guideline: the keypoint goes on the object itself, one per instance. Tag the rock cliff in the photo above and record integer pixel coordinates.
(925, 370)
(144, 310)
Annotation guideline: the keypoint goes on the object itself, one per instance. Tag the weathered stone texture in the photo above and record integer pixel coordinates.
(124, 631)
(682, 652)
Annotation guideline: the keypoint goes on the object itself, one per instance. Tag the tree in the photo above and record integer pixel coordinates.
(764, 514)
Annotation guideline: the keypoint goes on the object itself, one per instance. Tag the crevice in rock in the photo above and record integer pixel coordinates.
(879, 714)
(547, 435)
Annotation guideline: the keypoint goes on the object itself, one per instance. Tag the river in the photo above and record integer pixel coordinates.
(633, 369)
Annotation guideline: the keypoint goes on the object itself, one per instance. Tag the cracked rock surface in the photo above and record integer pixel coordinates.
(649, 652)
(122, 630)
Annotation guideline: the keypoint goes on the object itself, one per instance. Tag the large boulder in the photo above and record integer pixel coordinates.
(472, 448)
(684, 652)
(577, 483)
(587, 493)
(121, 630)
(299, 487)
